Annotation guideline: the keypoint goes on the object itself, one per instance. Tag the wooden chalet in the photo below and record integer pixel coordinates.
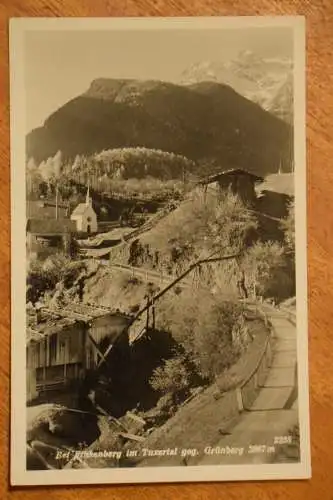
(61, 350)
(47, 236)
(238, 181)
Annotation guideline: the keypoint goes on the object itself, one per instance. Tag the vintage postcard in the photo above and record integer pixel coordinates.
(159, 290)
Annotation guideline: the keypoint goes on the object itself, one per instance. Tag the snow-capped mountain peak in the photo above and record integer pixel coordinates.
(266, 81)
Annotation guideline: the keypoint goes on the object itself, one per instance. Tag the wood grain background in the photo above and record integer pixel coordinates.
(319, 16)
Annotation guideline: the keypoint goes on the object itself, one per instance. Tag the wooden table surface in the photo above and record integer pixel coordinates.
(319, 14)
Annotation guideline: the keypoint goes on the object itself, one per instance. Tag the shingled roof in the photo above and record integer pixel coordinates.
(231, 172)
(50, 226)
(45, 210)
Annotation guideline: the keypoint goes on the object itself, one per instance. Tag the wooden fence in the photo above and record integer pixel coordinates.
(247, 391)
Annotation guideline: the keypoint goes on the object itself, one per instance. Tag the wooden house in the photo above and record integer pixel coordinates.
(60, 351)
(48, 236)
(55, 356)
(238, 181)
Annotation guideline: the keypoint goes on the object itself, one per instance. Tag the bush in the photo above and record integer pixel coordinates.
(214, 346)
(211, 330)
(288, 226)
(172, 377)
(71, 272)
(178, 314)
(41, 277)
(268, 271)
(220, 223)
(44, 276)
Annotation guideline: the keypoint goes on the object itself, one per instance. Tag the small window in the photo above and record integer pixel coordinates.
(88, 219)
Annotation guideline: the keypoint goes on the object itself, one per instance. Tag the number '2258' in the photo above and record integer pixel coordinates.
(282, 440)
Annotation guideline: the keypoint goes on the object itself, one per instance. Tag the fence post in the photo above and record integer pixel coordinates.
(153, 312)
(147, 319)
(269, 354)
(239, 397)
(264, 363)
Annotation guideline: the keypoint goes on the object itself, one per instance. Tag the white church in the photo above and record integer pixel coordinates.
(85, 216)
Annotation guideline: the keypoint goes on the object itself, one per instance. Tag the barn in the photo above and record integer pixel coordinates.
(48, 236)
(238, 181)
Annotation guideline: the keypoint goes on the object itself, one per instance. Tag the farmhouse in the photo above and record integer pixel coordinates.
(48, 236)
(85, 217)
(61, 350)
(236, 180)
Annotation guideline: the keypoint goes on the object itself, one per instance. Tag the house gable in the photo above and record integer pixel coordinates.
(83, 210)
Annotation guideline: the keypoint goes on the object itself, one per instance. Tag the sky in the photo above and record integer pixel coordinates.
(60, 65)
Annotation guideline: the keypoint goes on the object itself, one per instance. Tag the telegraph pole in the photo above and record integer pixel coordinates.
(56, 201)
(184, 177)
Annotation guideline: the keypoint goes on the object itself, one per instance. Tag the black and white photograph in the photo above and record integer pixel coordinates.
(159, 290)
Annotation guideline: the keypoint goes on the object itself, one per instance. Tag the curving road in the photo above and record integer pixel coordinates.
(264, 430)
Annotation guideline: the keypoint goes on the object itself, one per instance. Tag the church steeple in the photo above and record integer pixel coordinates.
(280, 167)
(88, 199)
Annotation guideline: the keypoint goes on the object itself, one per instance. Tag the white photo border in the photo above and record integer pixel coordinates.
(19, 476)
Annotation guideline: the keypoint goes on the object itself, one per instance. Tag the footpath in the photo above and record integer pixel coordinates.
(265, 428)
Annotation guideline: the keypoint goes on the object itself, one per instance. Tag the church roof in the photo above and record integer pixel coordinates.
(80, 209)
(83, 207)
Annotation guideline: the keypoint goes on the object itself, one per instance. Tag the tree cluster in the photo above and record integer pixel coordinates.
(44, 276)
(128, 172)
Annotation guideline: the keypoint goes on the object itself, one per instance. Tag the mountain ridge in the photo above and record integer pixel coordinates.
(205, 122)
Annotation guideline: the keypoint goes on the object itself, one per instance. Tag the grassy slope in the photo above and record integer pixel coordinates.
(114, 288)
